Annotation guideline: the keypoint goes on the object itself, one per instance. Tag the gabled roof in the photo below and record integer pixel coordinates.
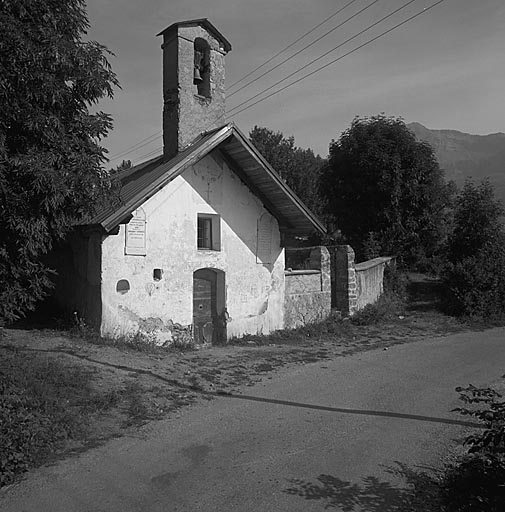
(206, 24)
(141, 182)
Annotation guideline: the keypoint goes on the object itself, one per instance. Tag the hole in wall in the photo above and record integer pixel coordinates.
(123, 286)
(157, 274)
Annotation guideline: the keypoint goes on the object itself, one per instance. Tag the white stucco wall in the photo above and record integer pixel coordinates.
(254, 288)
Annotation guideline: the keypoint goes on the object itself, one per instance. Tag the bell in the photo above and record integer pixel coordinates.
(196, 76)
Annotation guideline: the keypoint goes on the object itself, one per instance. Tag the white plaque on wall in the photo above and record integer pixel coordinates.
(136, 234)
(264, 239)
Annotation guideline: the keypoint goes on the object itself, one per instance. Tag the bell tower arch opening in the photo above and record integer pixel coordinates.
(201, 75)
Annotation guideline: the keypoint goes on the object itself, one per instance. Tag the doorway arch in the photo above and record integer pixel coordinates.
(209, 305)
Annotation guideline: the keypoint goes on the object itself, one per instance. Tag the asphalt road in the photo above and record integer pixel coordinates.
(347, 435)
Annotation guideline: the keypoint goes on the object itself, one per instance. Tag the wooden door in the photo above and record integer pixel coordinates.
(204, 306)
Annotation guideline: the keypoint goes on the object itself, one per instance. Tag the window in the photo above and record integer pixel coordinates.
(208, 232)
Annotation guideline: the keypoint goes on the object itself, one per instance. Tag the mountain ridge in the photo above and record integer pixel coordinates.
(464, 155)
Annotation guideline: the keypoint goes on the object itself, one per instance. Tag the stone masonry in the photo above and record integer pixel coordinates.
(308, 292)
(344, 293)
(186, 114)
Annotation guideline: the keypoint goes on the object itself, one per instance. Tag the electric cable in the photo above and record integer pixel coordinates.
(324, 55)
(426, 9)
(280, 52)
(134, 147)
(304, 48)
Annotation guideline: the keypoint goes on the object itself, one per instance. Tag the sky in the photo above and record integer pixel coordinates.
(443, 69)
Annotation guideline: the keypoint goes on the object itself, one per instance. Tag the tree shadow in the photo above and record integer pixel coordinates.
(421, 493)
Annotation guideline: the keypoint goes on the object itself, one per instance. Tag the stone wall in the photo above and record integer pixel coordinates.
(370, 280)
(307, 296)
(353, 286)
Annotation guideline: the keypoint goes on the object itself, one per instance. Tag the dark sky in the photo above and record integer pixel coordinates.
(444, 69)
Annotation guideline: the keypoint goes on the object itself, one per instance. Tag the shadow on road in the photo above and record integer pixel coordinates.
(421, 492)
(363, 412)
(288, 403)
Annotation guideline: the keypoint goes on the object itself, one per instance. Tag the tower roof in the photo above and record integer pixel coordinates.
(203, 22)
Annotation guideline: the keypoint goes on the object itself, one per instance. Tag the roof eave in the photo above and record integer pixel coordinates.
(116, 217)
(318, 225)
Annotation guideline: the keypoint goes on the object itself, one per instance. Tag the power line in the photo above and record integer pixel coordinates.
(426, 9)
(134, 147)
(151, 138)
(323, 55)
(138, 145)
(291, 44)
(313, 72)
(304, 48)
(159, 150)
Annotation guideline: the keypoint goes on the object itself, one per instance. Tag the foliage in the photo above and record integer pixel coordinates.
(298, 167)
(123, 166)
(486, 407)
(476, 483)
(51, 172)
(475, 286)
(386, 190)
(477, 220)
(474, 279)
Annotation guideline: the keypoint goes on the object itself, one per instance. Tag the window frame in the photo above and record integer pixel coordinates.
(208, 232)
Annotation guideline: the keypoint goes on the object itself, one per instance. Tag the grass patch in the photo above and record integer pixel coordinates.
(49, 406)
(44, 403)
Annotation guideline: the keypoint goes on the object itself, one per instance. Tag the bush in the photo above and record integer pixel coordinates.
(474, 278)
(477, 221)
(475, 286)
(477, 483)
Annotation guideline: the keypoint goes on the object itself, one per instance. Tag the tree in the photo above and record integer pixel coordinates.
(298, 167)
(51, 172)
(474, 279)
(123, 166)
(385, 190)
(477, 220)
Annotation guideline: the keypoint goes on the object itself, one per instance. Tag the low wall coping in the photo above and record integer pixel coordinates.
(375, 262)
(302, 248)
(300, 272)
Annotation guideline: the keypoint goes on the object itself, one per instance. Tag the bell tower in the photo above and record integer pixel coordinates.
(193, 82)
